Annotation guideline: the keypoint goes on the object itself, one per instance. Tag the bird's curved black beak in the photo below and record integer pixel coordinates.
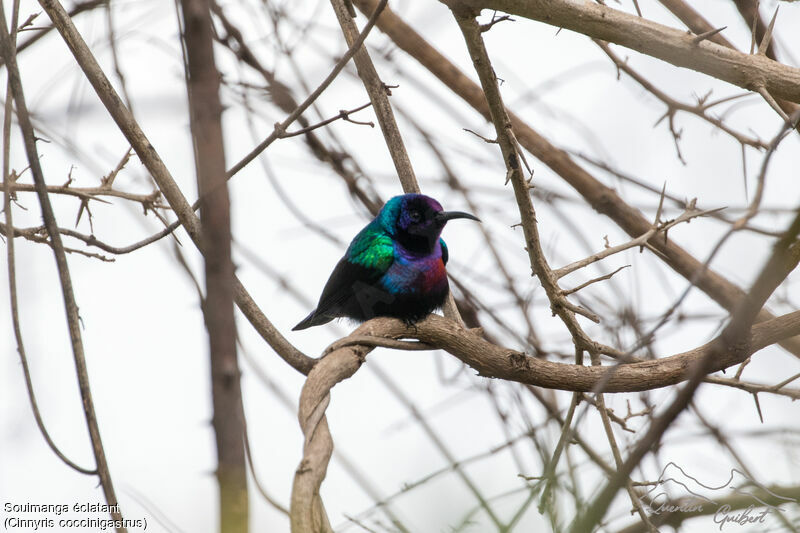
(444, 216)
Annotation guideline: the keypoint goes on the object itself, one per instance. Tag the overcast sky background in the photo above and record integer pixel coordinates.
(143, 330)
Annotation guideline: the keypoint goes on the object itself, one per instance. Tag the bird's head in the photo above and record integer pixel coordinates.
(416, 221)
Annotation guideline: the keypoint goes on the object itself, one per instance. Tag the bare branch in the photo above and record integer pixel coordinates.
(152, 161)
(594, 280)
(343, 115)
(12, 269)
(280, 129)
(656, 40)
(659, 227)
(674, 105)
(205, 112)
(70, 306)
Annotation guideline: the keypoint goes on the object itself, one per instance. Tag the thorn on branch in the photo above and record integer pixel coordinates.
(279, 130)
(28, 21)
(595, 280)
(771, 101)
(577, 309)
(660, 205)
(758, 407)
(107, 181)
(84, 207)
(388, 88)
(701, 100)
(70, 179)
(149, 203)
(495, 19)
(764, 44)
(741, 368)
(520, 153)
(700, 37)
(670, 111)
(485, 139)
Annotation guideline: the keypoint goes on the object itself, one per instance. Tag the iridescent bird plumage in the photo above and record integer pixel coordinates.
(394, 267)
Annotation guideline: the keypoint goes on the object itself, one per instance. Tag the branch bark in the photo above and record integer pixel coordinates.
(205, 118)
(750, 72)
(749, 11)
(378, 95)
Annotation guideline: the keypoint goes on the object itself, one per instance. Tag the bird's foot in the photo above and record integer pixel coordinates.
(411, 324)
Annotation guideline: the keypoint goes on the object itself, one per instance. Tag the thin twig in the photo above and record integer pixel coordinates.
(343, 115)
(280, 128)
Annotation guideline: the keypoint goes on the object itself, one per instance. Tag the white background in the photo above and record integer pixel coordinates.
(143, 330)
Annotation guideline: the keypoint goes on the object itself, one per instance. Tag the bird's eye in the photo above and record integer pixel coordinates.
(415, 216)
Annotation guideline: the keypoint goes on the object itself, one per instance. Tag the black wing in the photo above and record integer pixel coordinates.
(341, 294)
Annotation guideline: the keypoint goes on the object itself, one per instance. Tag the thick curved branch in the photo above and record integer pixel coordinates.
(748, 9)
(495, 361)
(752, 72)
(307, 512)
(490, 360)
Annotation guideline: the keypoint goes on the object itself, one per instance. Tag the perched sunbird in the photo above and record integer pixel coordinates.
(393, 267)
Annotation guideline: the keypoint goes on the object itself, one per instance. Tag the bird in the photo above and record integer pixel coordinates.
(394, 267)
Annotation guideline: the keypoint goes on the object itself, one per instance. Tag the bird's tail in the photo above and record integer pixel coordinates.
(313, 319)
